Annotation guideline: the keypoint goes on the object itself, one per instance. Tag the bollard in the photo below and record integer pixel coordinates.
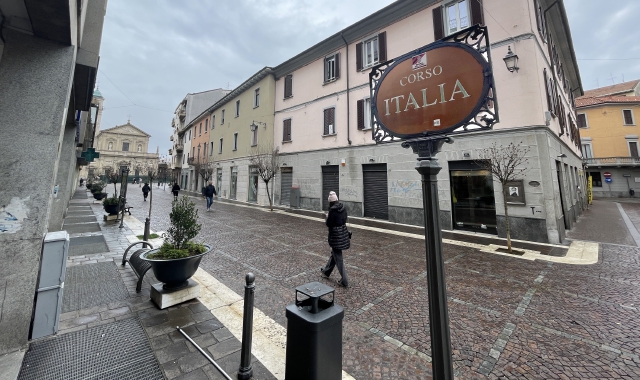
(147, 230)
(245, 371)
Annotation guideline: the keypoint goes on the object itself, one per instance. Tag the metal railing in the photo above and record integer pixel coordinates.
(612, 161)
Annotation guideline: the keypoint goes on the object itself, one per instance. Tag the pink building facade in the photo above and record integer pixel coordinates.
(322, 122)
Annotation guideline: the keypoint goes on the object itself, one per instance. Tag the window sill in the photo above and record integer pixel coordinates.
(287, 141)
(335, 134)
(330, 81)
(366, 129)
(629, 125)
(254, 107)
(287, 97)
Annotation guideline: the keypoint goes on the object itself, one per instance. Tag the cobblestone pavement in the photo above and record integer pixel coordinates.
(510, 318)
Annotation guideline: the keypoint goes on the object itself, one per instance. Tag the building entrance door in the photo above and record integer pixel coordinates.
(376, 195)
(253, 184)
(286, 180)
(330, 182)
(472, 198)
(234, 182)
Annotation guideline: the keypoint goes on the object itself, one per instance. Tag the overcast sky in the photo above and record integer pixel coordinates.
(155, 52)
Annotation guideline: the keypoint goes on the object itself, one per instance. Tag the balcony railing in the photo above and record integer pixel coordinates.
(178, 164)
(612, 161)
(179, 148)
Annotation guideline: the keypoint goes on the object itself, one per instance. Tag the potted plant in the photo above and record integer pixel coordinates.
(96, 190)
(111, 204)
(178, 258)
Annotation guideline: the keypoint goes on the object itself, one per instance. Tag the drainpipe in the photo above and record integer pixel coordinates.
(348, 108)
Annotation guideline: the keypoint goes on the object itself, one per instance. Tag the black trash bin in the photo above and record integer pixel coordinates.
(314, 334)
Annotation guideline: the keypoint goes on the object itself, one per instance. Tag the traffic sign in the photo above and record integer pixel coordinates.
(607, 174)
(608, 180)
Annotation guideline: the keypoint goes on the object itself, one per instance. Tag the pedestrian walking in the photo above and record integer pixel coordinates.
(339, 238)
(175, 190)
(145, 191)
(209, 192)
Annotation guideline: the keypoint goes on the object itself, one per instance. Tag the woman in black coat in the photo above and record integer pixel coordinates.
(339, 238)
(175, 189)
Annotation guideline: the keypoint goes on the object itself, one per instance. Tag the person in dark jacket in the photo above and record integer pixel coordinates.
(145, 191)
(339, 238)
(175, 190)
(209, 192)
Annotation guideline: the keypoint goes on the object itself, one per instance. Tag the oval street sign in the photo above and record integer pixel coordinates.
(433, 90)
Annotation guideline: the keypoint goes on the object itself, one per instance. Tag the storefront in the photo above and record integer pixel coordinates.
(472, 197)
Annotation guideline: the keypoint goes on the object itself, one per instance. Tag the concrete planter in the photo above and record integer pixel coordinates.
(111, 209)
(174, 273)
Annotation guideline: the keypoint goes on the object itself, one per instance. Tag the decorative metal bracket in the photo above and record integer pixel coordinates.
(426, 149)
(477, 38)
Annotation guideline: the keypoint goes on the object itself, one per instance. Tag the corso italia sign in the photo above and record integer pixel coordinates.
(431, 91)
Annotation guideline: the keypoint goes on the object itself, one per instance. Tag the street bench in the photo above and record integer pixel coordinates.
(128, 208)
(139, 266)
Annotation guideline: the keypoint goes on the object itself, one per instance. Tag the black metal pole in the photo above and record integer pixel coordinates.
(147, 230)
(245, 371)
(429, 168)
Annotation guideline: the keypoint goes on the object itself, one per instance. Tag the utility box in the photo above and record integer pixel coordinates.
(314, 335)
(294, 200)
(48, 299)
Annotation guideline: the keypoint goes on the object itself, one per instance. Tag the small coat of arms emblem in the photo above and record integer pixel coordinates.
(419, 61)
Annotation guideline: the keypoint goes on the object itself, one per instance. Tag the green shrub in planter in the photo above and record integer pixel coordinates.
(111, 201)
(97, 187)
(184, 227)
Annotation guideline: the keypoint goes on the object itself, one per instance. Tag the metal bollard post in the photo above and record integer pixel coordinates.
(245, 371)
(147, 230)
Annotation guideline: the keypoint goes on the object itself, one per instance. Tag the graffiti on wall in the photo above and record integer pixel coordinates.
(406, 187)
(12, 215)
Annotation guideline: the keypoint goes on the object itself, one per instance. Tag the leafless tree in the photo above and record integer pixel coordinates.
(152, 173)
(506, 164)
(205, 169)
(267, 161)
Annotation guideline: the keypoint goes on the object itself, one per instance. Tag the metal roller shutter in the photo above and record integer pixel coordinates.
(376, 197)
(330, 182)
(285, 185)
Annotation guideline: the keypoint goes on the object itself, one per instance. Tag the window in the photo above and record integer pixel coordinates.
(254, 137)
(211, 149)
(204, 150)
(288, 86)
(256, 97)
(628, 117)
(237, 108)
(220, 148)
(329, 121)
(286, 130)
(213, 121)
(540, 20)
(371, 51)
(455, 16)
(582, 120)
(364, 114)
(222, 117)
(200, 134)
(193, 153)
(596, 179)
(125, 147)
(332, 67)
(189, 135)
(235, 141)
(586, 150)
(633, 149)
(206, 125)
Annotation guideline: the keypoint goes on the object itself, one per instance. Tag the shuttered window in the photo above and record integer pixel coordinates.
(376, 198)
(288, 86)
(329, 121)
(330, 182)
(286, 130)
(456, 15)
(633, 149)
(628, 117)
(360, 106)
(332, 67)
(371, 51)
(547, 85)
(540, 21)
(582, 120)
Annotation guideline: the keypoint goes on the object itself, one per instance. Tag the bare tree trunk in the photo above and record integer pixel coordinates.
(266, 184)
(506, 218)
(150, 199)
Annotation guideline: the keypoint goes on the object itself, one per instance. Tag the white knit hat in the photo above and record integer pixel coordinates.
(332, 196)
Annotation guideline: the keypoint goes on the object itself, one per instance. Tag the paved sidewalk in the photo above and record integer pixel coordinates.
(107, 330)
(604, 222)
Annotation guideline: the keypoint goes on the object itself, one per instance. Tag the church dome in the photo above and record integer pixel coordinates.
(97, 94)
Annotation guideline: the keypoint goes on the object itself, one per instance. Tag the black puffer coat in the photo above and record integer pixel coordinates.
(338, 233)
